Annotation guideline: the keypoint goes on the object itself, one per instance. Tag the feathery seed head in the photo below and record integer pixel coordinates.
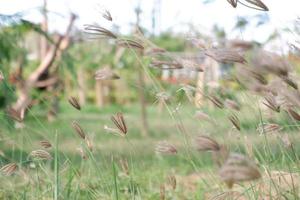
(74, 102)
(164, 147)
(238, 168)
(9, 169)
(41, 154)
(205, 143)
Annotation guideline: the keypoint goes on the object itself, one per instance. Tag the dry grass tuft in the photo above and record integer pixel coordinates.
(15, 115)
(74, 102)
(41, 154)
(271, 103)
(106, 74)
(294, 114)
(9, 169)
(290, 82)
(233, 3)
(165, 64)
(253, 4)
(190, 64)
(216, 101)
(202, 116)
(266, 62)
(78, 130)
(238, 168)
(106, 15)
(225, 55)
(128, 43)
(235, 121)
(171, 180)
(119, 122)
(154, 51)
(99, 31)
(164, 147)
(268, 128)
(205, 143)
(232, 105)
(259, 77)
(45, 144)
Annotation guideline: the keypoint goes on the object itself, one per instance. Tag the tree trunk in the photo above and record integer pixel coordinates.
(100, 97)
(209, 77)
(81, 86)
(199, 90)
(141, 87)
(24, 99)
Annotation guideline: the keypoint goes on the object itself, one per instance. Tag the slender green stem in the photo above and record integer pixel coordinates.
(56, 169)
(115, 179)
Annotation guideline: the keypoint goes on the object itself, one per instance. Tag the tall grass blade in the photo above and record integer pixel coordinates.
(56, 169)
(115, 179)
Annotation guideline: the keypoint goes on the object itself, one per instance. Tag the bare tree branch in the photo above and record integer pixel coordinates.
(60, 45)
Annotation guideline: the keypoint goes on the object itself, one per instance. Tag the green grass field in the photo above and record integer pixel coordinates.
(102, 176)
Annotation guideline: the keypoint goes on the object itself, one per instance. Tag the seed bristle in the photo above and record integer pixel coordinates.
(99, 31)
(165, 64)
(106, 74)
(232, 104)
(15, 115)
(119, 122)
(41, 154)
(78, 129)
(294, 114)
(253, 4)
(233, 3)
(9, 169)
(74, 102)
(124, 166)
(129, 43)
(271, 103)
(268, 128)
(235, 121)
(205, 143)
(171, 180)
(45, 144)
(165, 147)
(238, 168)
(225, 55)
(216, 101)
(106, 14)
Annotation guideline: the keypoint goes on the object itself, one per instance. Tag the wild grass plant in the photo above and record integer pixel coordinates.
(242, 148)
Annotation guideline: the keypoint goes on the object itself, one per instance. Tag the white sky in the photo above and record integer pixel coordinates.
(174, 14)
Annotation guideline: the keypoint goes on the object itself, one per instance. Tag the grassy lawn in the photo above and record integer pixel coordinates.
(103, 176)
